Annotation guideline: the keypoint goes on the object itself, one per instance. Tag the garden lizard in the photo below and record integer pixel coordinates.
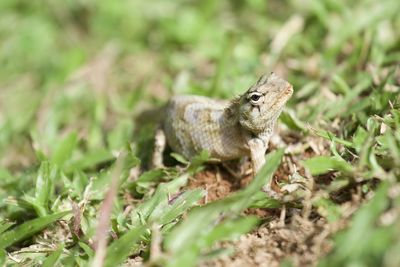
(227, 129)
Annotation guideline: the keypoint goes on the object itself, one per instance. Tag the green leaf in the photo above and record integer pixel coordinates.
(359, 138)
(4, 226)
(179, 205)
(88, 250)
(146, 180)
(179, 158)
(262, 200)
(28, 229)
(331, 136)
(196, 164)
(44, 190)
(388, 142)
(90, 160)
(3, 257)
(323, 164)
(328, 209)
(6, 177)
(229, 229)
(121, 248)
(160, 208)
(289, 118)
(339, 107)
(45, 185)
(341, 84)
(64, 149)
(52, 259)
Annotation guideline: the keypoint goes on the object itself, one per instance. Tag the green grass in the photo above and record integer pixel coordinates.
(76, 75)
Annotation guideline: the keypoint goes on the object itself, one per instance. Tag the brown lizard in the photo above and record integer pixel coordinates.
(227, 129)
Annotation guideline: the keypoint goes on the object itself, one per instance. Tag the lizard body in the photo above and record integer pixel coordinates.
(227, 129)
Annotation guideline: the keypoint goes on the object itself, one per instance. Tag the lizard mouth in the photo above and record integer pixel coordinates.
(282, 98)
(288, 92)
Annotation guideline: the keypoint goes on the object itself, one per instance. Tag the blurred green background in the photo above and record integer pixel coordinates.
(74, 74)
(67, 63)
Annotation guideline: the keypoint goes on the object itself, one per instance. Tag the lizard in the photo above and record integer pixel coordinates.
(227, 129)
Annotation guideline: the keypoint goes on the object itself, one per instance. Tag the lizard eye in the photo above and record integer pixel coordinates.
(255, 97)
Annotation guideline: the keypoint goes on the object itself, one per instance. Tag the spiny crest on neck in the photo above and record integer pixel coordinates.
(232, 110)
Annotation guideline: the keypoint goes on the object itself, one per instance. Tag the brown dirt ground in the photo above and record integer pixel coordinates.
(302, 240)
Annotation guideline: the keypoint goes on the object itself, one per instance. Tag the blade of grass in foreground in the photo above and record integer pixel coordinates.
(230, 228)
(28, 229)
(52, 259)
(4, 226)
(64, 149)
(2, 257)
(121, 248)
(329, 136)
(324, 164)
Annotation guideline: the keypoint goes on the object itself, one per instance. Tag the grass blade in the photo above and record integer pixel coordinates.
(64, 149)
(121, 248)
(226, 230)
(28, 229)
(52, 259)
(324, 164)
(3, 256)
(4, 226)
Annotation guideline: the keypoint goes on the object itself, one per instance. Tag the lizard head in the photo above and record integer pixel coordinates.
(262, 104)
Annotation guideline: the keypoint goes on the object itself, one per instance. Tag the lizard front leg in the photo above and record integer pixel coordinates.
(257, 153)
(258, 147)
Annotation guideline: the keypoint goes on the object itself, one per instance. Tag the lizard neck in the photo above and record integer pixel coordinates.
(231, 112)
(232, 116)
(266, 134)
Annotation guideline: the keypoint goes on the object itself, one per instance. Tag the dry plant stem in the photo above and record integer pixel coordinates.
(100, 240)
(282, 217)
(77, 219)
(156, 239)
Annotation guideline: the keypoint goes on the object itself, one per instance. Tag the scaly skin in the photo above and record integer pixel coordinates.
(228, 130)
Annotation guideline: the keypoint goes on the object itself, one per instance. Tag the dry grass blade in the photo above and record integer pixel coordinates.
(100, 239)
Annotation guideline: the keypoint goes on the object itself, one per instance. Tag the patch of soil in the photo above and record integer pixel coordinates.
(302, 240)
(218, 183)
